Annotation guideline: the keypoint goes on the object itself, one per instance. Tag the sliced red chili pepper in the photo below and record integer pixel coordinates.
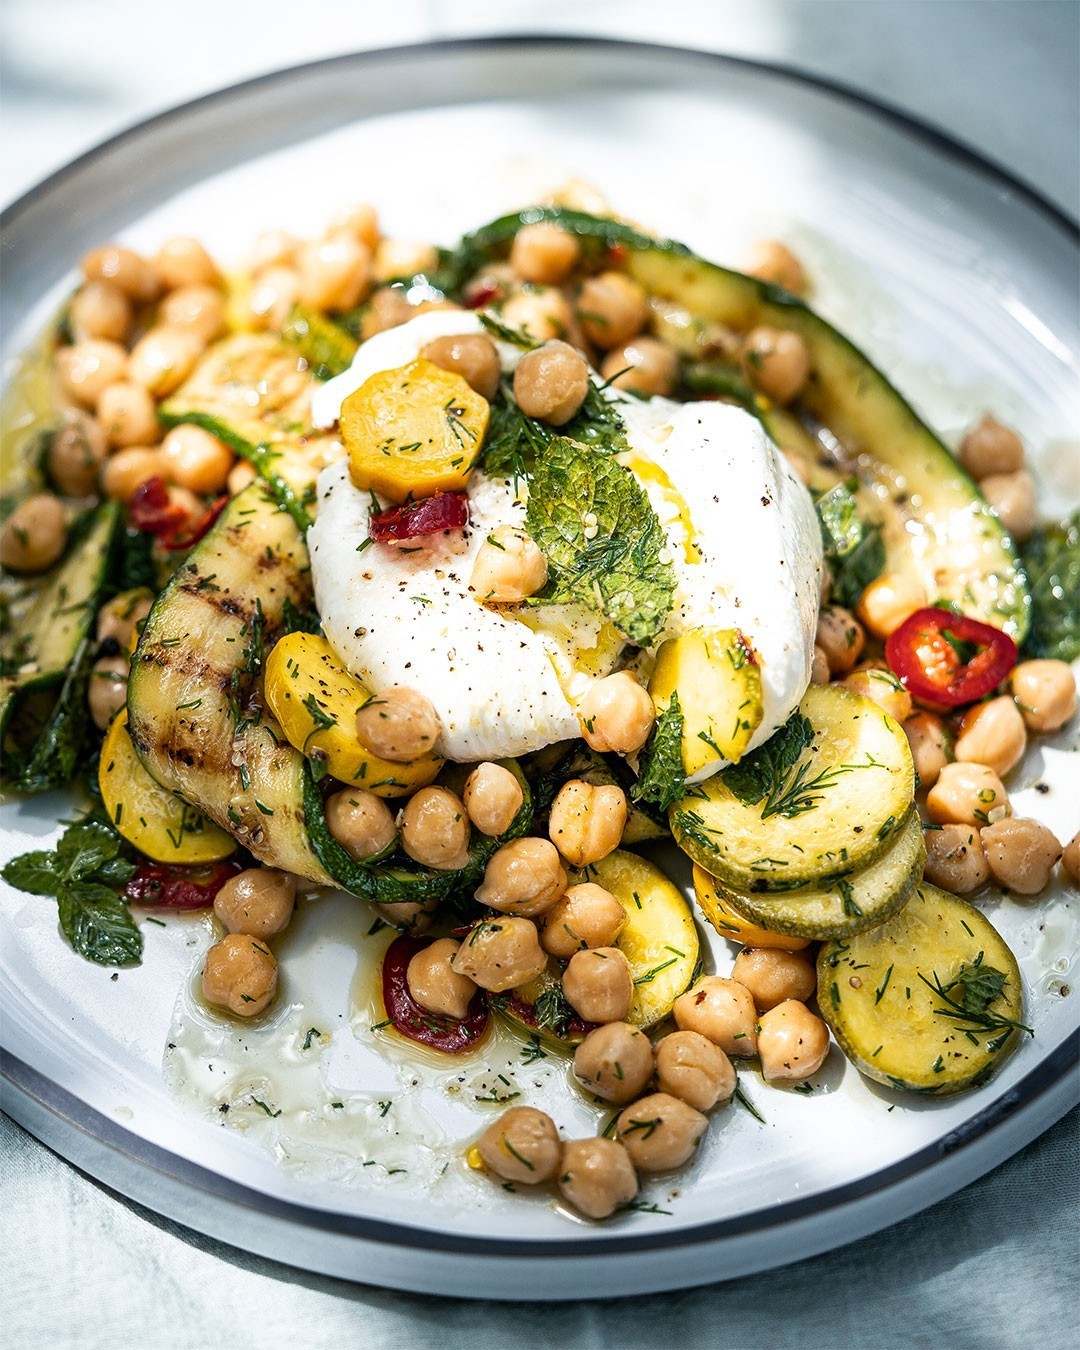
(945, 660)
(165, 886)
(430, 515)
(153, 511)
(483, 295)
(189, 537)
(616, 255)
(416, 1023)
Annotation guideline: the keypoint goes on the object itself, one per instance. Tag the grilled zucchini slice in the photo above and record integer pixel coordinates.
(842, 907)
(832, 811)
(929, 1002)
(47, 654)
(963, 554)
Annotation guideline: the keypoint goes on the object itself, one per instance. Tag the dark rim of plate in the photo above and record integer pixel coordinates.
(76, 1115)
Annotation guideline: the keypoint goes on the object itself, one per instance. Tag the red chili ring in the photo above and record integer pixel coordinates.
(945, 660)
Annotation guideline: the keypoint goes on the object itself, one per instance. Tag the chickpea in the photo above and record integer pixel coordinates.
(721, 1010)
(774, 976)
(544, 253)
(888, 601)
(819, 669)
(121, 618)
(399, 725)
(273, 248)
(106, 691)
(435, 829)
(551, 382)
(76, 453)
(508, 568)
(241, 475)
(614, 1062)
(411, 915)
(272, 297)
(773, 261)
(841, 638)
(386, 308)
(402, 258)
(335, 274)
(184, 262)
(777, 362)
(360, 822)
(472, 356)
(660, 1132)
(361, 220)
(500, 954)
(967, 794)
(617, 714)
(523, 877)
(792, 1042)
(124, 473)
(34, 534)
(521, 1146)
(132, 274)
(612, 308)
(492, 797)
(1070, 859)
(196, 460)
(1021, 854)
(993, 734)
(955, 859)
(1011, 497)
(240, 975)
(990, 448)
(643, 365)
(598, 984)
(596, 1176)
(584, 916)
(929, 740)
(689, 1066)
(86, 369)
(200, 308)
(435, 984)
(587, 821)
(100, 310)
(1045, 692)
(163, 359)
(258, 902)
(127, 415)
(883, 688)
(541, 312)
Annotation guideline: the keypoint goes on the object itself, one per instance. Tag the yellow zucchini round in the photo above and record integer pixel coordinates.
(730, 924)
(886, 996)
(149, 816)
(316, 700)
(847, 905)
(835, 810)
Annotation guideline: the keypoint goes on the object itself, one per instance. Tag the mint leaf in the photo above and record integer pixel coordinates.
(661, 779)
(762, 772)
(82, 872)
(595, 525)
(33, 872)
(99, 925)
(976, 987)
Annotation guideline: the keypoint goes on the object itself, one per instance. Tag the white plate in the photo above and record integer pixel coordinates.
(958, 282)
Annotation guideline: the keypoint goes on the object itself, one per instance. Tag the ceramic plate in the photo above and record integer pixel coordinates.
(959, 283)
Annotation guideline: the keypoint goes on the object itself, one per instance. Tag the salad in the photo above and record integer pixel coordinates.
(456, 579)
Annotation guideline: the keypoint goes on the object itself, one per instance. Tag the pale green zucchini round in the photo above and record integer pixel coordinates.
(845, 906)
(837, 809)
(929, 1002)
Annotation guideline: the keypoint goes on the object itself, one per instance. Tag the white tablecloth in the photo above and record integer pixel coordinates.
(994, 1266)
